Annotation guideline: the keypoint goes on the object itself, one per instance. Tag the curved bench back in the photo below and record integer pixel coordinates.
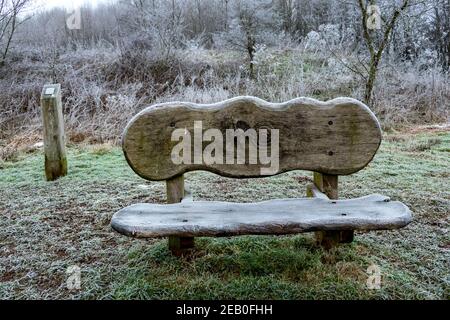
(248, 137)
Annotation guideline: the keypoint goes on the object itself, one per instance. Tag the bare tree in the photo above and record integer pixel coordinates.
(377, 43)
(160, 22)
(287, 12)
(250, 19)
(9, 22)
(440, 31)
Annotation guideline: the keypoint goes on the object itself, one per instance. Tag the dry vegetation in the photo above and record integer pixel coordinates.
(103, 89)
(207, 51)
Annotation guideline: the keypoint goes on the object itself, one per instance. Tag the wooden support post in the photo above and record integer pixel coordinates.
(175, 189)
(328, 184)
(54, 137)
(175, 194)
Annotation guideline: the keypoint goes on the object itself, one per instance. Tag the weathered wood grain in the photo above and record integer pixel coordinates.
(271, 217)
(54, 136)
(175, 190)
(328, 184)
(337, 137)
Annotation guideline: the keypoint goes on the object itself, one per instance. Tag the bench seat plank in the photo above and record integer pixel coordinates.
(287, 216)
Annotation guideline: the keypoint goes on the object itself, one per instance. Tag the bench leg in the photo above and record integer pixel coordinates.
(179, 246)
(328, 184)
(176, 193)
(330, 239)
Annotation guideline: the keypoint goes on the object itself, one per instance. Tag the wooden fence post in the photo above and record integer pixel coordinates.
(54, 137)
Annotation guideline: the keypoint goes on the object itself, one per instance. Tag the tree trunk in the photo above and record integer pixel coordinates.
(10, 37)
(370, 82)
(252, 64)
(226, 15)
(251, 54)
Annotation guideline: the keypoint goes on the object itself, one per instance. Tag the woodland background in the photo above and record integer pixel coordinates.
(129, 54)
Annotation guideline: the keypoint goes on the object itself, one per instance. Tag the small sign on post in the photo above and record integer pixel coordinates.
(54, 136)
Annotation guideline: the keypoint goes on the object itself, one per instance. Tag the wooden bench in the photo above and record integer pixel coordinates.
(333, 138)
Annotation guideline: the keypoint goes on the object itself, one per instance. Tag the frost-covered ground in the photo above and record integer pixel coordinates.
(47, 227)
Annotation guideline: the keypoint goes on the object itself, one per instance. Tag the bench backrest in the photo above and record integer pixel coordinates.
(338, 137)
